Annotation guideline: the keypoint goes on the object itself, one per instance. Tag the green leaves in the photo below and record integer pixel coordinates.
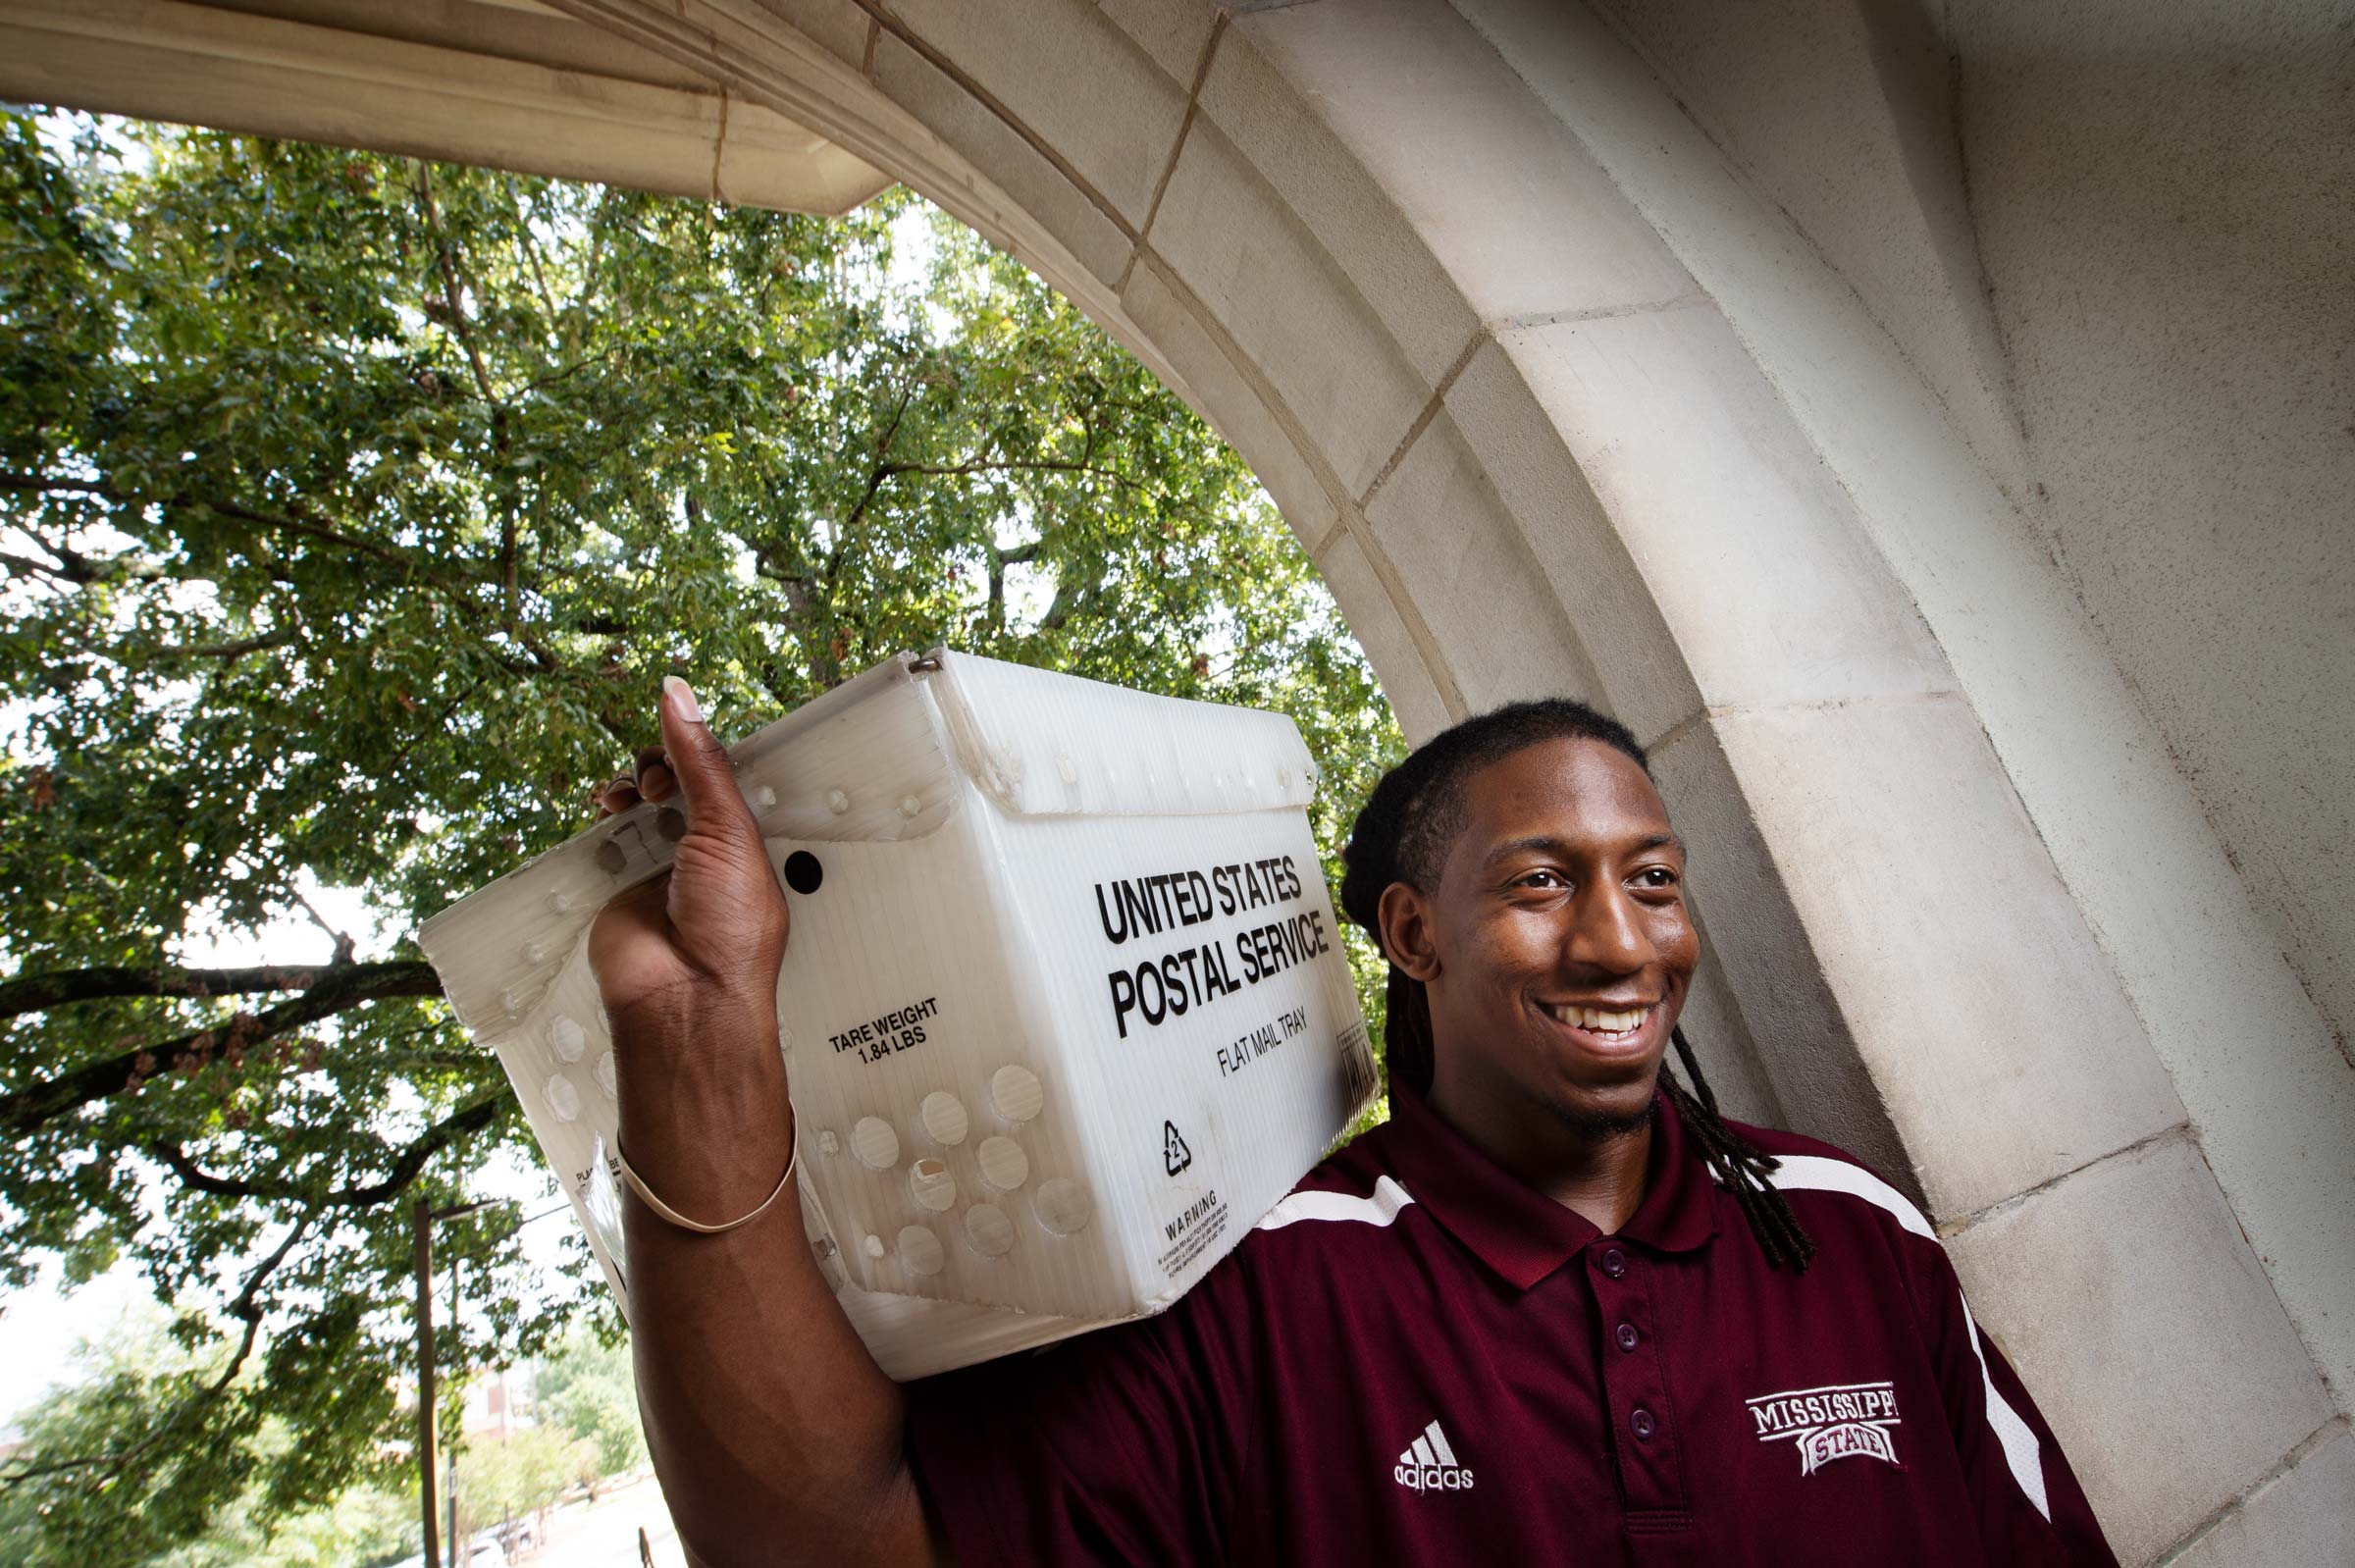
(352, 512)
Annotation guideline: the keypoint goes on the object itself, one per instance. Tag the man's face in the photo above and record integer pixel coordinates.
(1556, 946)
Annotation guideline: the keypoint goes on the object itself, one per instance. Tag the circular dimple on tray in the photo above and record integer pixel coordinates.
(560, 903)
(671, 823)
(1004, 1164)
(1062, 1206)
(920, 1250)
(604, 1075)
(943, 1115)
(875, 1144)
(838, 801)
(566, 1038)
(910, 805)
(828, 1143)
(872, 1246)
(612, 859)
(1015, 1090)
(763, 797)
(934, 1188)
(536, 952)
(564, 1098)
(988, 1230)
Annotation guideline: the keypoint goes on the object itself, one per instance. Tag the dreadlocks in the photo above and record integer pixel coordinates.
(1402, 836)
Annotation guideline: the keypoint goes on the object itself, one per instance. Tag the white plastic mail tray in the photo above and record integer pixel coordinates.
(1065, 1010)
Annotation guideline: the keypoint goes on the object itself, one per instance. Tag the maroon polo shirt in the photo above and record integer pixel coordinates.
(1417, 1358)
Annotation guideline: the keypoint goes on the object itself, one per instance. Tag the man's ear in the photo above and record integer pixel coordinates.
(1407, 933)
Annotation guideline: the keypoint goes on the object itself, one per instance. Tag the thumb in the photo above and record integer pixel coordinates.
(702, 768)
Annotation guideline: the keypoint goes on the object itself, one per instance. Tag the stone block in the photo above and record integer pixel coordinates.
(1514, 209)
(1461, 556)
(1238, 246)
(1575, 543)
(840, 26)
(1335, 198)
(1750, 550)
(2304, 1515)
(1077, 81)
(1172, 31)
(1366, 604)
(1223, 395)
(1001, 155)
(1994, 1027)
(2150, 1338)
(1760, 975)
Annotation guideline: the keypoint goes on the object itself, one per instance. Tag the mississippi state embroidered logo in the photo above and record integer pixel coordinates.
(1429, 1465)
(1830, 1423)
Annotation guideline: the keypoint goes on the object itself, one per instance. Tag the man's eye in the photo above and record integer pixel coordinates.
(1541, 880)
(1657, 876)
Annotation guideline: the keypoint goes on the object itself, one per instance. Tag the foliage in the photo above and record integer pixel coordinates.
(586, 1391)
(132, 1381)
(351, 511)
(513, 1477)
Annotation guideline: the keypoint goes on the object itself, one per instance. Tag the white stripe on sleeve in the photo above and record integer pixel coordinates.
(1382, 1207)
(1814, 1172)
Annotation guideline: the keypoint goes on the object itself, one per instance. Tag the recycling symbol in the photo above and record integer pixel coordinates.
(1174, 1155)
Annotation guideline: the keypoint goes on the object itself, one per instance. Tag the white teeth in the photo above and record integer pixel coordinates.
(1600, 1021)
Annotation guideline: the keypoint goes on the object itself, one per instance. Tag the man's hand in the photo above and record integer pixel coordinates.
(706, 938)
(687, 965)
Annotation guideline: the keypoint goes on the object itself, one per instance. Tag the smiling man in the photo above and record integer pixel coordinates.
(1557, 1309)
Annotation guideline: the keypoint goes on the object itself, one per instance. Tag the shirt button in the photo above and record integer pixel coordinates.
(1641, 1424)
(1627, 1337)
(1614, 1262)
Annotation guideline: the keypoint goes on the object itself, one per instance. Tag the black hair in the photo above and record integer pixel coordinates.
(1404, 834)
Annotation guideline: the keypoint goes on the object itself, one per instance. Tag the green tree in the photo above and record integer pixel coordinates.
(352, 509)
(587, 1391)
(135, 1379)
(511, 1478)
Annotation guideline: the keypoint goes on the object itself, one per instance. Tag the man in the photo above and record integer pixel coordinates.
(1556, 1310)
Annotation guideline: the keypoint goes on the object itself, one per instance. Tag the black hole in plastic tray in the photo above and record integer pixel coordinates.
(802, 873)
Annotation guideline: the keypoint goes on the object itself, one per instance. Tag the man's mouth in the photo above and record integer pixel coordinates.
(1610, 1026)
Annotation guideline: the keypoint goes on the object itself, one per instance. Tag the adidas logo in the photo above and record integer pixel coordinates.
(1429, 1465)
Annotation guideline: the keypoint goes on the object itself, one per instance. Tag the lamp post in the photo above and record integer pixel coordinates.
(424, 1218)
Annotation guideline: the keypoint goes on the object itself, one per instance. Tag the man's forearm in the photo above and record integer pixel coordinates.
(776, 1438)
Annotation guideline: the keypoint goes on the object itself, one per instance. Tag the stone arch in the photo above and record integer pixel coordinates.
(1564, 391)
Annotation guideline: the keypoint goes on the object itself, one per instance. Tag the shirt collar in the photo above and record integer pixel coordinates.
(1517, 1231)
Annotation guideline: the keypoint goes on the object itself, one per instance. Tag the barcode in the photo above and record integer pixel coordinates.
(1357, 1065)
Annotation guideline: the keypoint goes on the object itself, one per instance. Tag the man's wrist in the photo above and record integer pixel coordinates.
(705, 1120)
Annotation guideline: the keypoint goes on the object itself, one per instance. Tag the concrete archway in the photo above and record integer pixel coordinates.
(1578, 366)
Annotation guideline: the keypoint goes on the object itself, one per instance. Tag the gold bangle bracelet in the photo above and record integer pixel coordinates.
(674, 1217)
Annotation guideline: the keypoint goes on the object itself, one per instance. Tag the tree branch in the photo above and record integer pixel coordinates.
(337, 991)
(247, 1307)
(471, 1117)
(35, 993)
(227, 652)
(1008, 464)
(461, 326)
(452, 295)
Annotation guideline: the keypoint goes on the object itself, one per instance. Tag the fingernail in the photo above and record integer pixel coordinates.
(683, 696)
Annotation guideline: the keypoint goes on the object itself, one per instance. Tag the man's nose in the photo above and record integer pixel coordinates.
(1607, 934)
